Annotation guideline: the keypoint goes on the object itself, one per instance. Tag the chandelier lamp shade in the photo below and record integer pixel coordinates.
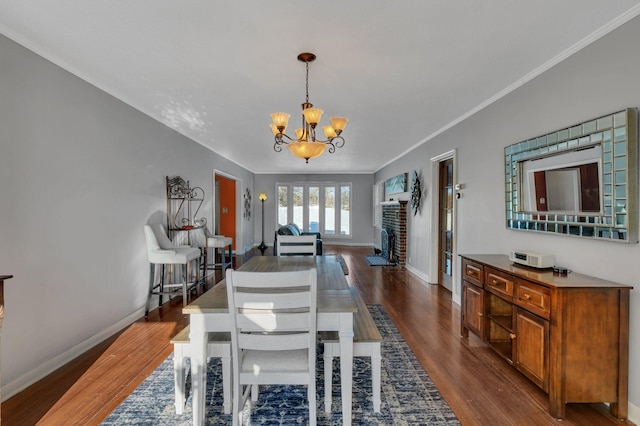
(305, 144)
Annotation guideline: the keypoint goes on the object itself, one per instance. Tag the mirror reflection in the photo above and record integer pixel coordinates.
(568, 183)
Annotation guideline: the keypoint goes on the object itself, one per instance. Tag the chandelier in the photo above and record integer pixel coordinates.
(305, 144)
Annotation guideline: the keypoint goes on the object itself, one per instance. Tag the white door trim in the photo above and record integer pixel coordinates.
(239, 207)
(435, 206)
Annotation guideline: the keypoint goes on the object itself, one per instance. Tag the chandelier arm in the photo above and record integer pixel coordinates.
(277, 146)
(339, 141)
(280, 141)
(332, 147)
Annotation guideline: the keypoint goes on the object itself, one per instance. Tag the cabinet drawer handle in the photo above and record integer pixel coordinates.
(526, 296)
(479, 314)
(494, 282)
(512, 336)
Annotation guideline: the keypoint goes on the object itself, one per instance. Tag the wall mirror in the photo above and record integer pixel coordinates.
(578, 181)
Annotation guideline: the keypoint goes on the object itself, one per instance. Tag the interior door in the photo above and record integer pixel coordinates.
(445, 234)
(226, 217)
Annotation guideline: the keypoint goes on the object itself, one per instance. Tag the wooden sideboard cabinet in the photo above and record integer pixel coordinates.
(569, 334)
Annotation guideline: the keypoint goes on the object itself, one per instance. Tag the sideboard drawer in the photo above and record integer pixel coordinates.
(533, 297)
(498, 282)
(473, 272)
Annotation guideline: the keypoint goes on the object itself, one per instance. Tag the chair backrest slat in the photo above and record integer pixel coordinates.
(282, 342)
(296, 244)
(291, 279)
(266, 301)
(283, 322)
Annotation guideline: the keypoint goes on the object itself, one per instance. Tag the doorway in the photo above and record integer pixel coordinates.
(444, 250)
(445, 223)
(225, 208)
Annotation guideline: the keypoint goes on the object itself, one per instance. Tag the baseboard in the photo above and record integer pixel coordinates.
(633, 414)
(26, 380)
(424, 277)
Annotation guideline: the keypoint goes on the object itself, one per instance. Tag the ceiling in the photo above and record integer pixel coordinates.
(401, 71)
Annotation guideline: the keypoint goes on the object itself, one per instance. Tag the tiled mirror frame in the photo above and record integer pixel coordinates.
(617, 134)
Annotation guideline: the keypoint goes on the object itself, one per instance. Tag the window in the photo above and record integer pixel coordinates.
(318, 207)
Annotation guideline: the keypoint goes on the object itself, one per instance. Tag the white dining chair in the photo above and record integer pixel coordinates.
(273, 333)
(161, 252)
(296, 245)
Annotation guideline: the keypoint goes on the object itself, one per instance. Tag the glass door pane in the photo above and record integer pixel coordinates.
(314, 208)
(283, 203)
(446, 224)
(298, 206)
(330, 210)
(345, 210)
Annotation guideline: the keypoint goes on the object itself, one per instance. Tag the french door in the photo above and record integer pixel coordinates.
(445, 221)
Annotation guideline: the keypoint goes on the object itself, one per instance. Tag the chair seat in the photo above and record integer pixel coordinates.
(275, 361)
(219, 241)
(223, 244)
(174, 256)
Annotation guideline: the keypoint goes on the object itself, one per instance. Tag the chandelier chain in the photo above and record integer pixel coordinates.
(307, 85)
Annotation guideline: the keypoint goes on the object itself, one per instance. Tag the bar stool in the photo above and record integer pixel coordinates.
(224, 244)
(162, 252)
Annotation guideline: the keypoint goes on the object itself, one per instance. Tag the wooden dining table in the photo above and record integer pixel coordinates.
(335, 308)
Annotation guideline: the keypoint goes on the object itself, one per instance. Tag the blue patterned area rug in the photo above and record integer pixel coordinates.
(378, 261)
(408, 395)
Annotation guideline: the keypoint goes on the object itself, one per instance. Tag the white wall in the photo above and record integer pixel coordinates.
(600, 79)
(81, 173)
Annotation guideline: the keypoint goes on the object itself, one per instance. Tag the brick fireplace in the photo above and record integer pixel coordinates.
(394, 220)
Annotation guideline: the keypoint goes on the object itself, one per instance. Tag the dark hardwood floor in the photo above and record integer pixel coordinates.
(478, 385)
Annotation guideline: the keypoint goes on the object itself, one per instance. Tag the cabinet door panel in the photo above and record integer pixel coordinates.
(472, 313)
(531, 355)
